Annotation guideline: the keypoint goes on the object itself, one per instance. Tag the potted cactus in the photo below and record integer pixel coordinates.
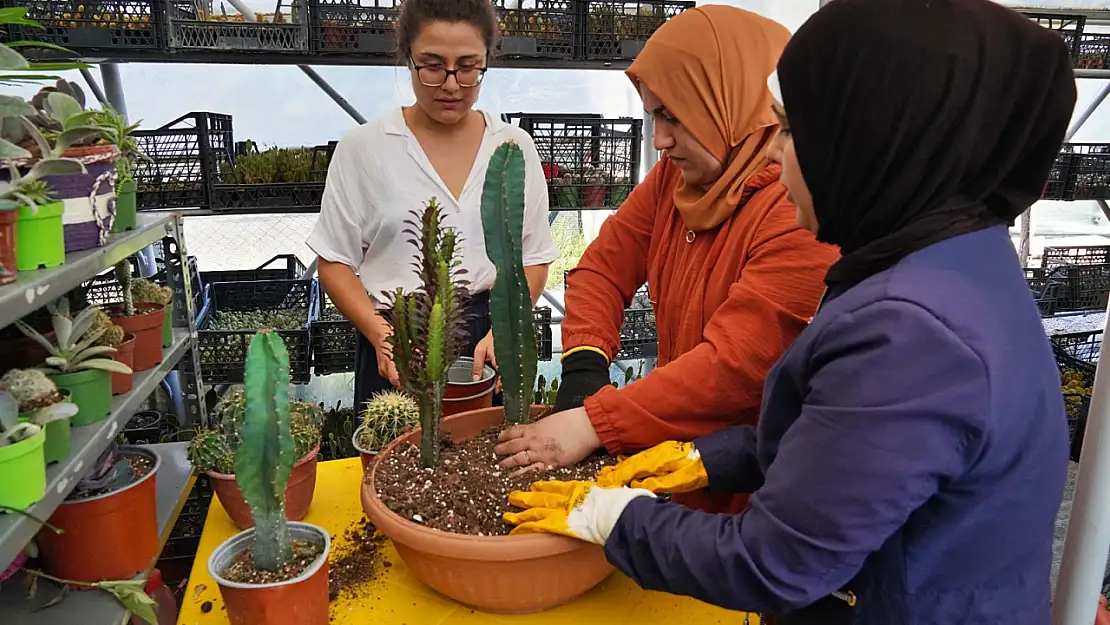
(464, 553)
(124, 344)
(595, 182)
(144, 320)
(215, 452)
(22, 464)
(75, 364)
(277, 571)
(41, 403)
(144, 291)
(387, 415)
(117, 131)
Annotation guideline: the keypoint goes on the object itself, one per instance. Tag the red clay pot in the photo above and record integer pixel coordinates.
(146, 325)
(462, 393)
(298, 492)
(109, 537)
(7, 243)
(501, 574)
(125, 353)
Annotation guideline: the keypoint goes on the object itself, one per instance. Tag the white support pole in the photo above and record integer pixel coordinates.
(113, 87)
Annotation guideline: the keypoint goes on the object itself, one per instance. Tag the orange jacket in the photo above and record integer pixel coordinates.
(727, 305)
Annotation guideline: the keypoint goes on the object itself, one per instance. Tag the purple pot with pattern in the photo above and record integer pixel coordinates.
(89, 198)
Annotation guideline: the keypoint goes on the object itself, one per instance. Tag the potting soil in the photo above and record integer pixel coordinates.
(140, 466)
(468, 492)
(241, 569)
(355, 559)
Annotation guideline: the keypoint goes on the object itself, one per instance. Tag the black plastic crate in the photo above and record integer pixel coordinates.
(354, 26)
(1080, 287)
(1087, 167)
(1070, 27)
(616, 30)
(590, 162)
(145, 427)
(183, 161)
(544, 30)
(1084, 347)
(280, 267)
(1062, 178)
(639, 338)
(1094, 51)
(1056, 256)
(274, 197)
(92, 25)
(1076, 355)
(542, 319)
(104, 289)
(223, 353)
(188, 30)
(1044, 292)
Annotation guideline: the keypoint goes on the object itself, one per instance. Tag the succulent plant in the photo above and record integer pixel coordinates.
(123, 277)
(117, 131)
(510, 302)
(386, 416)
(30, 388)
(545, 393)
(284, 319)
(145, 291)
(12, 430)
(209, 451)
(113, 334)
(60, 112)
(74, 349)
(428, 325)
(265, 460)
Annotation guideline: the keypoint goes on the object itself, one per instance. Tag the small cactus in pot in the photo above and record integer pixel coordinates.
(387, 415)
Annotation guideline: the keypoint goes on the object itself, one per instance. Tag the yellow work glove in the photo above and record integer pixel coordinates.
(581, 510)
(670, 467)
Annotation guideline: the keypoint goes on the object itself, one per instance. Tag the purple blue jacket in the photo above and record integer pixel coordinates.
(912, 451)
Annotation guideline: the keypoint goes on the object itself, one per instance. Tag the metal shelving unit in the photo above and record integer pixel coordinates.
(31, 291)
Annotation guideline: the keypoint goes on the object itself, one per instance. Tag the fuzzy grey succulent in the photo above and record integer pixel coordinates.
(386, 416)
(31, 388)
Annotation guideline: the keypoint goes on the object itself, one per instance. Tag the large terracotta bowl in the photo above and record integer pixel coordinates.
(504, 574)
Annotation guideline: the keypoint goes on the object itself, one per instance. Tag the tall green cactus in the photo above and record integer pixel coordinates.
(428, 326)
(266, 457)
(123, 277)
(510, 303)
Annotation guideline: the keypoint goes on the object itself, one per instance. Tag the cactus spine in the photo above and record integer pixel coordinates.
(123, 276)
(266, 458)
(387, 415)
(510, 302)
(428, 326)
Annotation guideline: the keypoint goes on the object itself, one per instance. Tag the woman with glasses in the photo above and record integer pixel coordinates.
(439, 147)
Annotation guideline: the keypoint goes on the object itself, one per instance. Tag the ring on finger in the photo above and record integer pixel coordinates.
(527, 458)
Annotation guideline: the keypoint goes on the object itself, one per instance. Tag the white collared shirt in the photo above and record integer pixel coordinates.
(379, 174)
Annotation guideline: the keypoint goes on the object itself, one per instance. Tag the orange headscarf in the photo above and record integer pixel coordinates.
(709, 67)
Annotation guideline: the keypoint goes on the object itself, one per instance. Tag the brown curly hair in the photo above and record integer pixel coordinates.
(416, 13)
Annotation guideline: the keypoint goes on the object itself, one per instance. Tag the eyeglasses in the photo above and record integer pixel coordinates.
(436, 75)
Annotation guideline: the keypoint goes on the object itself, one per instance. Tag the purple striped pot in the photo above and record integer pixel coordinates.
(89, 199)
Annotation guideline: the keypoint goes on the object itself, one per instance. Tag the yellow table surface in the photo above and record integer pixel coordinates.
(395, 597)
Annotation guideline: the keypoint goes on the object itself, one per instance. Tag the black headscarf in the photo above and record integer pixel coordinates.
(919, 120)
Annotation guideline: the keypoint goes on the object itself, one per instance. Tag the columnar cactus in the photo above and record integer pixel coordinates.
(123, 277)
(510, 303)
(428, 326)
(387, 415)
(266, 458)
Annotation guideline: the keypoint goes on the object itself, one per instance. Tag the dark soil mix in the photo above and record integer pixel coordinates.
(140, 466)
(468, 492)
(355, 560)
(242, 571)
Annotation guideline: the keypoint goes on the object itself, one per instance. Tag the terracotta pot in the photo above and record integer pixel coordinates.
(298, 492)
(462, 393)
(125, 353)
(1102, 617)
(505, 574)
(146, 325)
(112, 536)
(365, 455)
(8, 216)
(302, 600)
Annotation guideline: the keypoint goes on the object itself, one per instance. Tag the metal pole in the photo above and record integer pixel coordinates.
(1025, 239)
(113, 87)
(249, 15)
(651, 155)
(1105, 208)
(90, 80)
(1088, 537)
(1091, 108)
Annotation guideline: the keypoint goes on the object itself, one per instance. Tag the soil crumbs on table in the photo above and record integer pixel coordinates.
(354, 560)
(468, 492)
(241, 569)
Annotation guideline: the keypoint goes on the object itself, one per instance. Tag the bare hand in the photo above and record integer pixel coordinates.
(384, 350)
(484, 353)
(562, 439)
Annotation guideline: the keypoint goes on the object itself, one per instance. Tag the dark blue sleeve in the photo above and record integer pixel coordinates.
(730, 460)
(895, 407)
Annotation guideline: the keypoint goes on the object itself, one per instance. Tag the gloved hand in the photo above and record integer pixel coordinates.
(584, 373)
(581, 510)
(670, 467)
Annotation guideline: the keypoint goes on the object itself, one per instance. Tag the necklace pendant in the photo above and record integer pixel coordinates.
(690, 236)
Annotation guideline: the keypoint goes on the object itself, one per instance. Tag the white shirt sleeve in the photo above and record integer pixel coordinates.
(337, 236)
(536, 243)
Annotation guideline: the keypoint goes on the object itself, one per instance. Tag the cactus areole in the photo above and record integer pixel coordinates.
(429, 330)
(510, 302)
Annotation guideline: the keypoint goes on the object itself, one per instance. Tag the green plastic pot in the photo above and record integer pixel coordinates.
(167, 327)
(57, 444)
(23, 472)
(39, 237)
(91, 390)
(125, 207)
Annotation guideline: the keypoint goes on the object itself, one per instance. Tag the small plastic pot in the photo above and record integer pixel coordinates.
(125, 354)
(23, 472)
(365, 455)
(302, 600)
(109, 536)
(167, 327)
(146, 325)
(91, 390)
(298, 492)
(58, 436)
(8, 217)
(462, 393)
(125, 207)
(40, 237)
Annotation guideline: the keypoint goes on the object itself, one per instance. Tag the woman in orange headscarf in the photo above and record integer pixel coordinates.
(732, 276)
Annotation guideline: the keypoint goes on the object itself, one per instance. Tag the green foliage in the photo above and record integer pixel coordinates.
(75, 339)
(546, 394)
(209, 451)
(13, 61)
(274, 165)
(144, 291)
(387, 415)
(428, 326)
(510, 299)
(266, 458)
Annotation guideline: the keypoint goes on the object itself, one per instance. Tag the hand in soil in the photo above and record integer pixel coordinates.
(558, 440)
(581, 510)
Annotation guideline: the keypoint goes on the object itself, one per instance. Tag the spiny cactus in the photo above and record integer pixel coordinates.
(510, 301)
(30, 388)
(113, 334)
(386, 416)
(429, 330)
(266, 458)
(209, 451)
(146, 292)
(123, 277)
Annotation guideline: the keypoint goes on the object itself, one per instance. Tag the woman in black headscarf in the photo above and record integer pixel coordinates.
(912, 447)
